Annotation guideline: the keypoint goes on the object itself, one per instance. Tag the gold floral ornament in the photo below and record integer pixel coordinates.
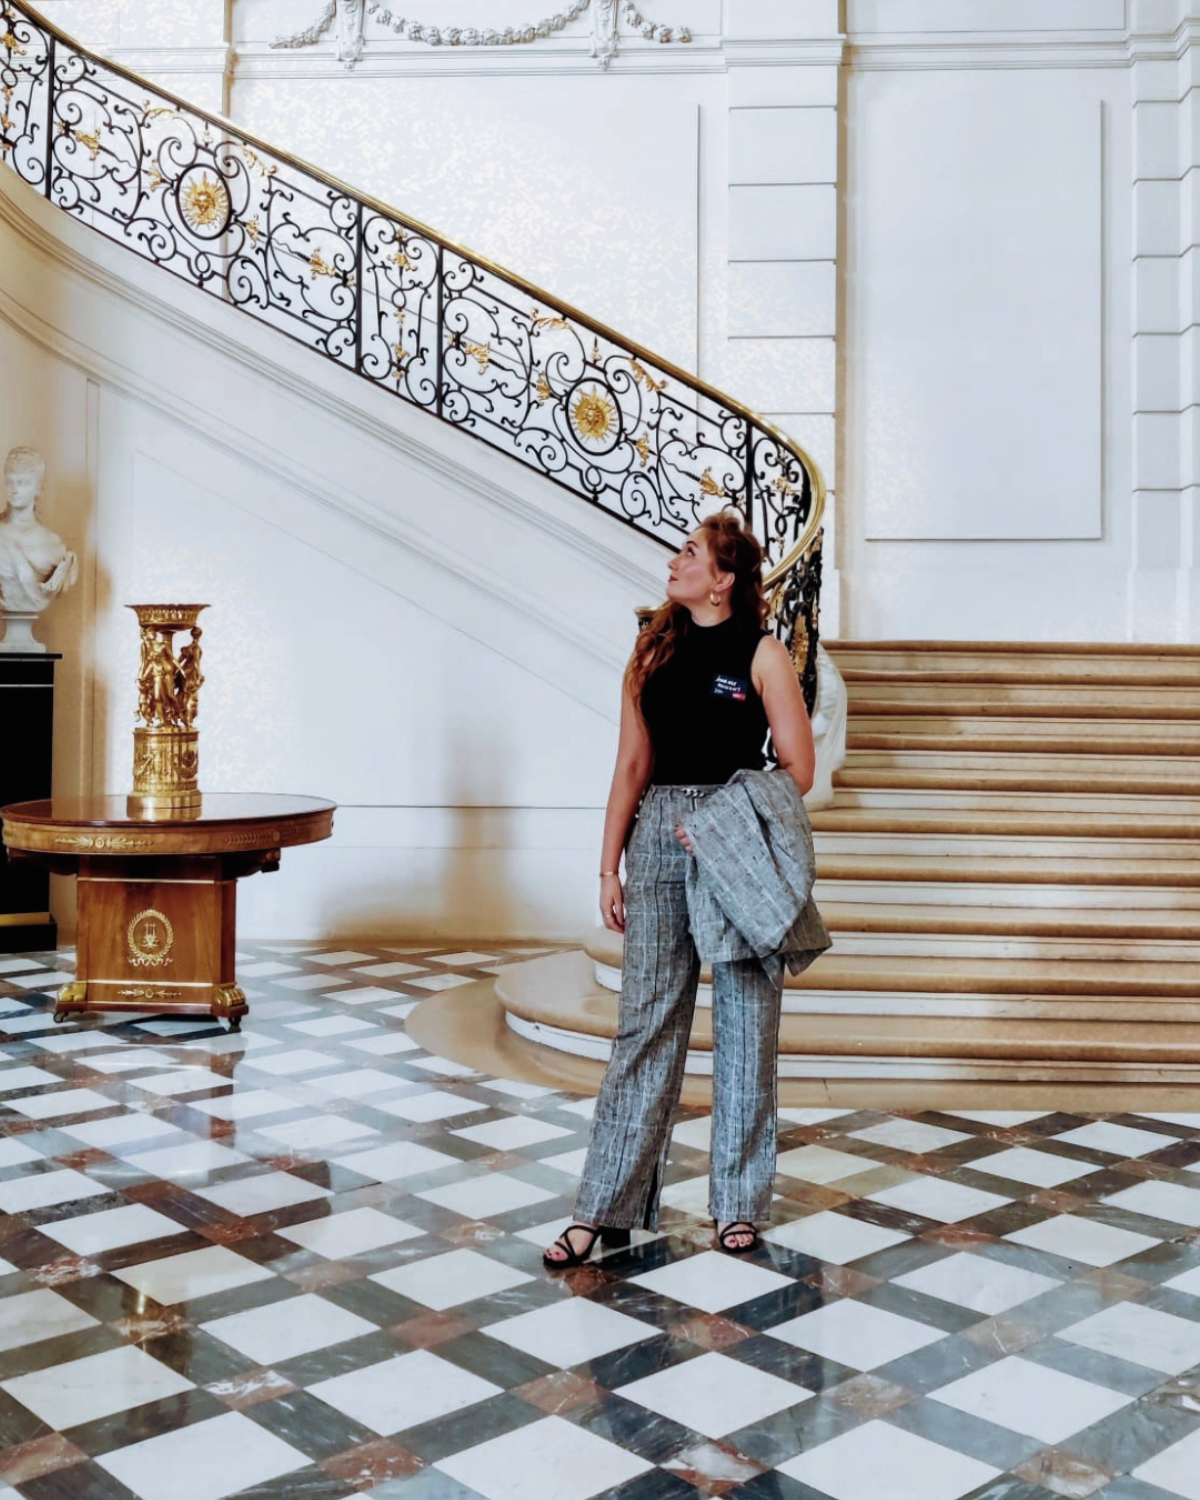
(544, 392)
(482, 353)
(91, 142)
(319, 266)
(709, 486)
(204, 202)
(594, 417)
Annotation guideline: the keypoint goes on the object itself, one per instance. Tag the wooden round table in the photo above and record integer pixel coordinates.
(158, 897)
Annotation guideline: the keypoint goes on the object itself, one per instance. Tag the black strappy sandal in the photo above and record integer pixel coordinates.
(612, 1239)
(725, 1238)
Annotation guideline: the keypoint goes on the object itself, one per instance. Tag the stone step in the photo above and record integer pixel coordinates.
(1031, 700)
(1180, 927)
(1011, 822)
(1054, 776)
(1166, 804)
(1000, 849)
(1061, 736)
(1012, 897)
(1122, 663)
(1050, 869)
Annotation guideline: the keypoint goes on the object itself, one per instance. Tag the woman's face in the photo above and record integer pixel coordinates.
(693, 575)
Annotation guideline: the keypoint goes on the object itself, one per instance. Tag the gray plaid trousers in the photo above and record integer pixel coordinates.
(623, 1177)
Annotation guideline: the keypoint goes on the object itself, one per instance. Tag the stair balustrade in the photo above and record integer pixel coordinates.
(403, 307)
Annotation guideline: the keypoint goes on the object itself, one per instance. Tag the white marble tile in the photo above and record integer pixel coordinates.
(331, 1026)
(571, 1162)
(317, 1133)
(390, 970)
(1031, 1399)
(283, 1330)
(181, 1163)
(358, 1083)
(856, 1334)
(1160, 1200)
(287, 1064)
(834, 1237)
(84, 1390)
(1186, 1281)
(129, 1059)
(57, 1105)
(547, 1460)
(512, 1133)
(220, 1457)
(485, 1197)
(15, 1153)
(309, 981)
(986, 1286)
(180, 1081)
(878, 1460)
(12, 1079)
(264, 969)
(1038, 1168)
(584, 1108)
(401, 1012)
(46, 1190)
(1005, 1119)
(567, 1333)
(390, 1044)
(123, 1130)
(340, 1236)
(30, 1317)
(1142, 1335)
(689, 1196)
(404, 1392)
(342, 956)
(714, 1395)
(363, 994)
(443, 1066)
(1083, 1240)
(1176, 1469)
(437, 982)
(459, 1276)
(18, 964)
(517, 1087)
(1117, 1140)
(397, 1160)
(244, 1104)
(465, 960)
(694, 1133)
(92, 1234)
(435, 1104)
(263, 1194)
(712, 1282)
(909, 1135)
(812, 1116)
(194, 1274)
(819, 1164)
(936, 1198)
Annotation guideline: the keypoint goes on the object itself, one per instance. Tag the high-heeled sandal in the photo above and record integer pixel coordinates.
(725, 1238)
(611, 1239)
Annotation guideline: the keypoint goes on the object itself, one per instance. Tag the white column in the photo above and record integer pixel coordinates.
(778, 344)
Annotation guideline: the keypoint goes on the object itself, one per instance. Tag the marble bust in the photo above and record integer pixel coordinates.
(35, 565)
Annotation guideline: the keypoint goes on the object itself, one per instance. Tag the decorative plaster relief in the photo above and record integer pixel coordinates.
(606, 34)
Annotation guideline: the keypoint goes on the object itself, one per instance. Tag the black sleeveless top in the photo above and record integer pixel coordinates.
(705, 718)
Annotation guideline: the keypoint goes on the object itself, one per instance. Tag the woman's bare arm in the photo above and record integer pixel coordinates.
(791, 729)
(635, 760)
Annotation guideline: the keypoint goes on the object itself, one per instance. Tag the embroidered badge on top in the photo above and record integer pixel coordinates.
(736, 688)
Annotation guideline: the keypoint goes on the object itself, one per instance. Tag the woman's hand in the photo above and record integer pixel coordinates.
(681, 835)
(612, 903)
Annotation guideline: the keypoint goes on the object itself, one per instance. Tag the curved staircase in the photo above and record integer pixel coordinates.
(1010, 868)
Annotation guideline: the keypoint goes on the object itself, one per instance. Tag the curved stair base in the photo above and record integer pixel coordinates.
(558, 1004)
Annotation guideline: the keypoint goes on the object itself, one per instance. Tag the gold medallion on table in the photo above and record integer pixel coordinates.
(151, 938)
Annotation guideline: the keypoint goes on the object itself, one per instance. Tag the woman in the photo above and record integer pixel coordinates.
(704, 685)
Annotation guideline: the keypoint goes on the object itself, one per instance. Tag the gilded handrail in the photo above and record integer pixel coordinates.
(400, 304)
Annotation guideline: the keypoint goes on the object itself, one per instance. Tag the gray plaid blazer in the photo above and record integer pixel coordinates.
(749, 886)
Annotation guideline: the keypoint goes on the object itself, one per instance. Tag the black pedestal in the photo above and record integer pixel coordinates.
(26, 757)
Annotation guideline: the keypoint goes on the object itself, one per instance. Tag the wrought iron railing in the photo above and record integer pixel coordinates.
(406, 309)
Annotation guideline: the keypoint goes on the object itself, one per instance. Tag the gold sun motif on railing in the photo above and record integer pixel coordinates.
(205, 202)
(593, 415)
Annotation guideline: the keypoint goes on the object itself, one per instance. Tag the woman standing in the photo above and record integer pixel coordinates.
(703, 687)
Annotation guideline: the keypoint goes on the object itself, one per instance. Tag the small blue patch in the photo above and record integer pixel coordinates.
(736, 689)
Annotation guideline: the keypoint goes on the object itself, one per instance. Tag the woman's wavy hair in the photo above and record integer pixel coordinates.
(733, 550)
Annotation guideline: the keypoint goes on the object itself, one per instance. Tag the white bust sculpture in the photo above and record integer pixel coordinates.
(35, 565)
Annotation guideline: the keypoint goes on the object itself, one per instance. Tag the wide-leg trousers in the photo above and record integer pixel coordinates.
(623, 1176)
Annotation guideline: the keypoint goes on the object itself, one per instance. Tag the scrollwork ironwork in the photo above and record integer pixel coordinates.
(404, 308)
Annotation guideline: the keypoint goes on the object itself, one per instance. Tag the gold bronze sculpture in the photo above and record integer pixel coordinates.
(166, 744)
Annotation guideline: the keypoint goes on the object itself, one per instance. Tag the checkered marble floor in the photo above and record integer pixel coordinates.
(304, 1261)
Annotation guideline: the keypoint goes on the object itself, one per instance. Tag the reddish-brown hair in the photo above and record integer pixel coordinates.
(734, 550)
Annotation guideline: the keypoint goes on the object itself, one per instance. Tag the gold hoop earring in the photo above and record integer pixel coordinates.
(714, 598)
